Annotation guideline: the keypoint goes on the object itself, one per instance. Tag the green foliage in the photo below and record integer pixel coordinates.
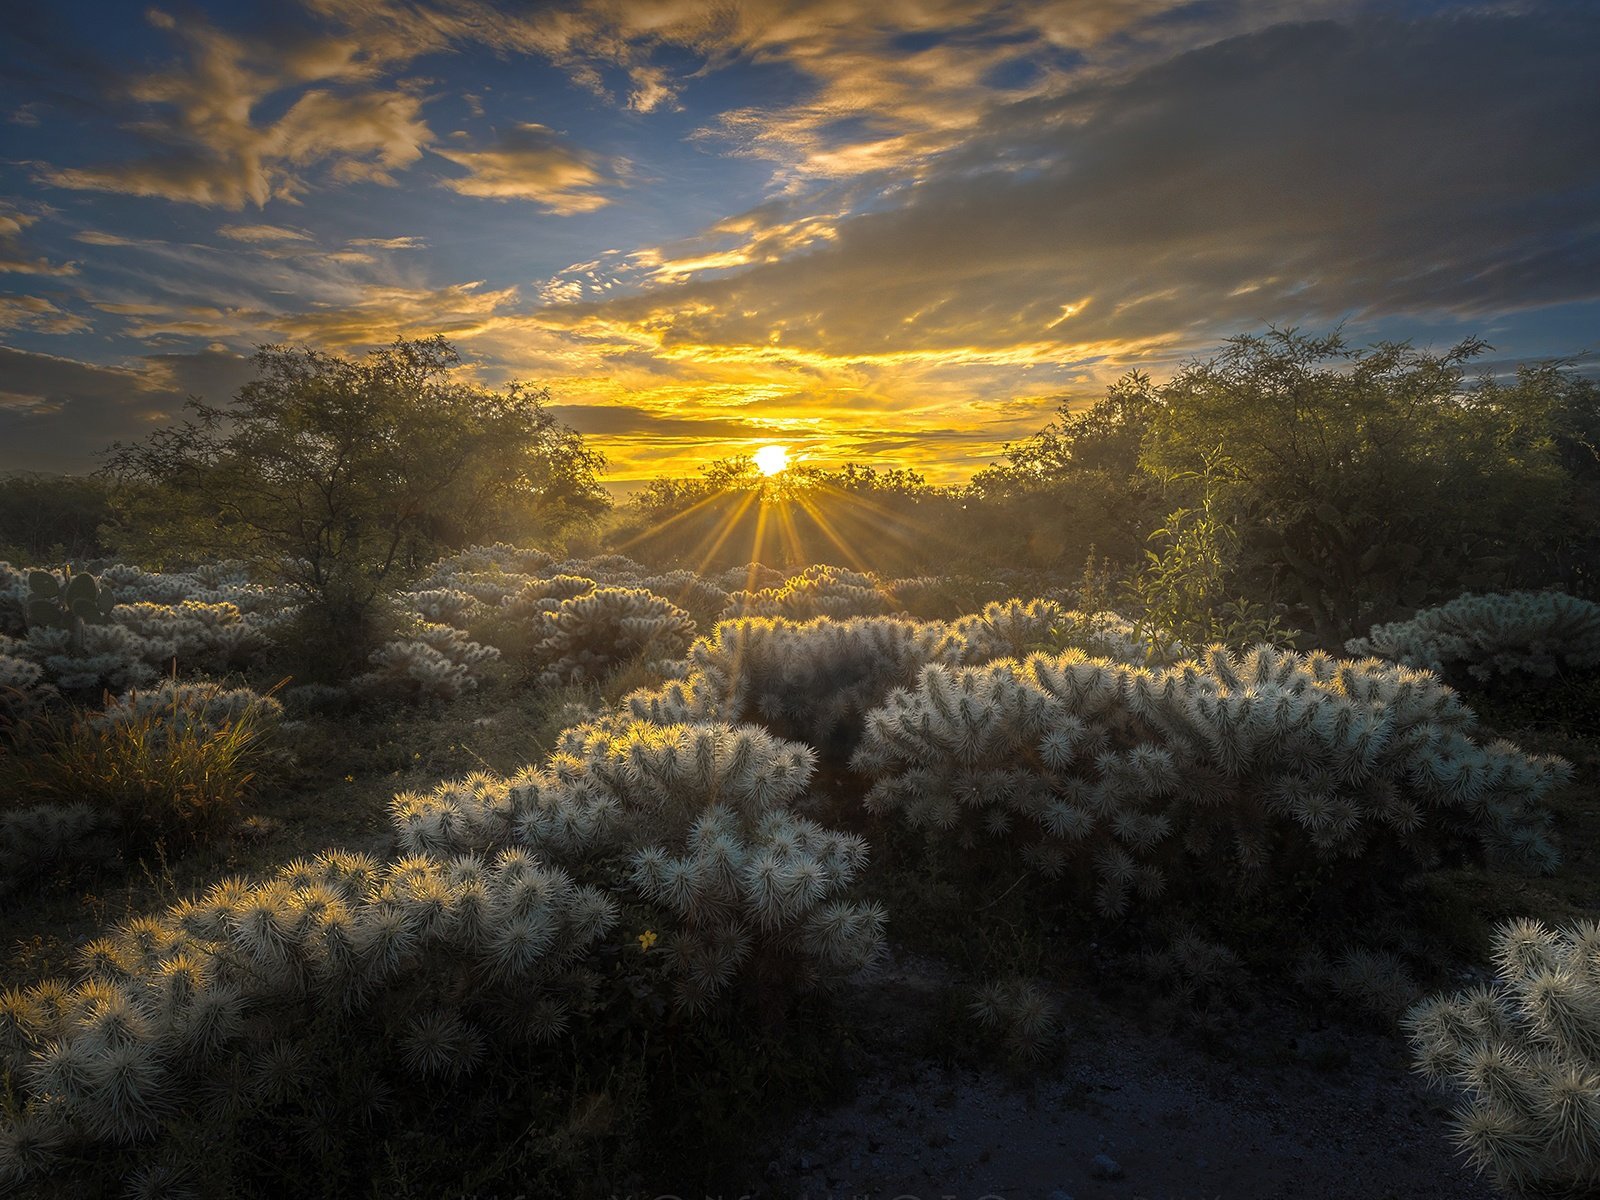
(1366, 480)
(51, 518)
(338, 476)
(170, 767)
(1187, 588)
(1524, 1053)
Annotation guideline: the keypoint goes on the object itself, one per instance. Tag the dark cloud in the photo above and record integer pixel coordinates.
(58, 414)
(1316, 171)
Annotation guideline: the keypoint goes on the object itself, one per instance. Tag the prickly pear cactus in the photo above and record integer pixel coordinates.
(68, 602)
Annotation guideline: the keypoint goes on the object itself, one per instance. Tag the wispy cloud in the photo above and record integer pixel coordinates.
(532, 162)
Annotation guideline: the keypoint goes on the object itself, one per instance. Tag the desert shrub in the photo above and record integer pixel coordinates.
(173, 766)
(1213, 774)
(693, 820)
(1516, 634)
(437, 662)
(188, 1028)
(817, 591)
(588, 636)
(1524, 1054)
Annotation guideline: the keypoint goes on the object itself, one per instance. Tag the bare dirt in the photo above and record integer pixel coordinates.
(1277, 1110)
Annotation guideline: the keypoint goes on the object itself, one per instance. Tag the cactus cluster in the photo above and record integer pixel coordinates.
(200, 1016)
(818, 591)
(694, 820)
(67, 602)
(1205, 772)
(1511, 634)
(1524, 1052)
(23, 690)
(437, 662)
(200, 708)
(587, 636)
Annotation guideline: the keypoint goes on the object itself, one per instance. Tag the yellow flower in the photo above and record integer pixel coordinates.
(349, 778)
(647, 939)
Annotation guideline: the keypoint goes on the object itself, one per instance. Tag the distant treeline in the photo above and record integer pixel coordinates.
(1289, 474)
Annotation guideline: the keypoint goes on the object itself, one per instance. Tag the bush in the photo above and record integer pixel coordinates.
(1212, 774)
(1517, 634)
(692, 820)
(175, 765)
(1524, 1052)
(588, 636)
(196, 1024)
(818, 591)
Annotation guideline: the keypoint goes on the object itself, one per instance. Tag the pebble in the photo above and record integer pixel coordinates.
(1103, 1166)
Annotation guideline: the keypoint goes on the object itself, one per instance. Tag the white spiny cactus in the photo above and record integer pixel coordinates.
(699, 814)
(202, 708)
(1525, 1054)
(1134, 773)
(225, 986)
(1518, 633)
(587, 636)
(819, 591)
(437, 662)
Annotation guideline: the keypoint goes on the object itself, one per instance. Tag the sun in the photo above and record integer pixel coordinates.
(770, 460)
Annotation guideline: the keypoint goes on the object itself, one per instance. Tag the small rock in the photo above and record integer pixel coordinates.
(1103, 1166)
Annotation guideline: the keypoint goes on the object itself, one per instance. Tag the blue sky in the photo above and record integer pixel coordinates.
(901, 233)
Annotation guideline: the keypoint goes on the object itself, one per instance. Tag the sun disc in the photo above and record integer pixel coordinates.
(772, 459)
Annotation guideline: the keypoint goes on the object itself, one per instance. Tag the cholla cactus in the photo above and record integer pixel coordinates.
(1021, 1013)
(42, 837)
(585, 637)
(437, 663)
(1525, 1054)
(444, 606)
(199, 636)
(1016, 628)
(819, 591)
(202, 708)
(1206, 768)
(813, 680)
(1377, 981)
(752, 577)
(1520, 633)
(699, 815)
(200, 1014)
(699, 597)
(23, 691)
(101, 658)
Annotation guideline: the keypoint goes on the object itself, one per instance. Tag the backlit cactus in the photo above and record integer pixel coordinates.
(198, 1015)
(1524, 1053)
(1514, 634)
(1206, 771)
(694, 819)
(819, 591)
(588, 636)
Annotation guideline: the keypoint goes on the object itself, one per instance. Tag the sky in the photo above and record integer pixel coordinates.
(900, 232)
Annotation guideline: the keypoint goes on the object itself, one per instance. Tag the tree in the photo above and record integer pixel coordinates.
(338, 475)
(1368, 481)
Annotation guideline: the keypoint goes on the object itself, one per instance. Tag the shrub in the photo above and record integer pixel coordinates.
(192, 1023)
(438, 663)
(1524, 1052)
(817, 591)
(1514, 634)
(173, 765)
(1214, 773)
(588, 636)
(693, 820)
